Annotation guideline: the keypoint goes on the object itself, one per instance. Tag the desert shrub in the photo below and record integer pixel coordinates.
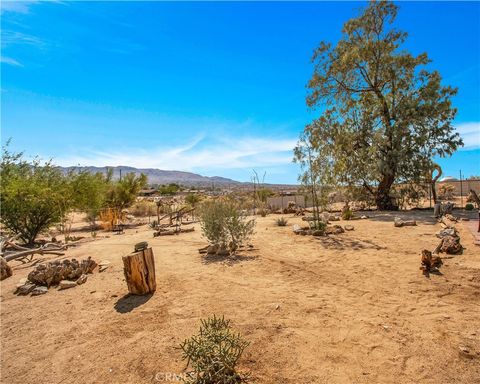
(169, 189)
(143, 208)
(263, 212)
(153, 224)
(109, 218)
(34, 196)
(224, 225)
(347, 214)
(319, 226)
(469, 207)
(213, 353)
(281, 222)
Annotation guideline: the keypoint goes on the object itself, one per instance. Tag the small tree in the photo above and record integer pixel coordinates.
(33, 196)
(123, 193)
(223, 225)
(214, 353)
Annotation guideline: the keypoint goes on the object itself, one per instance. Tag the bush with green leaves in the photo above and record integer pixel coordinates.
(214, 353)
(34, 196)
(281, 222)
(347, 214)
(224, 225)
(469, 207)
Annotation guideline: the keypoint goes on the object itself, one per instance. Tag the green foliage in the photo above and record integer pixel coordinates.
(193, 199)
(33, 196)
(123, 193)
(469, 207)
(214, 353)
(384, 115)
(264, 193)
(224, 225)
(347, 214)
(89, 193)
(169, 189)
(318, 226)
(281, 222)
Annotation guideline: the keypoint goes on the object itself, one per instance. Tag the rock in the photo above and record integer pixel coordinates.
(102, 268)
(451, 245)
(5, 269)
(334, 230)
(277, 307)
(447, 232)
(65, 284)
(296, 228)
(82, 279)
(103, 263)
(364, 217)
(53, 272)
(334, 218)
(398, 222)
(23, 280)
(349, 227)
(25, 289)
(39, 290)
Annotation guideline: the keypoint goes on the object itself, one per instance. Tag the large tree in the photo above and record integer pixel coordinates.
(384, 115)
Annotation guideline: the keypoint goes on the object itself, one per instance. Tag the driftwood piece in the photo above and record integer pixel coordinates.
(163, 232)
(139, 269)
(22, 252)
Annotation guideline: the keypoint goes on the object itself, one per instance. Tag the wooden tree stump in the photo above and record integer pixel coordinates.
(139, 269)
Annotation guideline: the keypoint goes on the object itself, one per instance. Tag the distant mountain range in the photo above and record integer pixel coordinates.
(159, 176)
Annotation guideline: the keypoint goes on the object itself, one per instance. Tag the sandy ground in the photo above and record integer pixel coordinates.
(351, 308)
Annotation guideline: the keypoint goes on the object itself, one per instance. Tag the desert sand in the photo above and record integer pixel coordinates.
(348, 308)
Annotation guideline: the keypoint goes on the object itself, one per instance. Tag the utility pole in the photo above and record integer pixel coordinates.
(461, 190)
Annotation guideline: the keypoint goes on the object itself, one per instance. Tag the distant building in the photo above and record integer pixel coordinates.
(447, 179)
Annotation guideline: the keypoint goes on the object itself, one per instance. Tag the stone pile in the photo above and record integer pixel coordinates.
(66, 274)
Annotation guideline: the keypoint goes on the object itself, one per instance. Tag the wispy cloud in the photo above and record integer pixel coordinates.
(204, 154)
(470, 133)
(16, 6)
(10, 61)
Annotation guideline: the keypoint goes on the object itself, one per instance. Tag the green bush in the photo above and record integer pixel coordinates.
(281, 222)
(214, 353)
(469, 207)
(224, 225)
(347, 214)
(318, 226)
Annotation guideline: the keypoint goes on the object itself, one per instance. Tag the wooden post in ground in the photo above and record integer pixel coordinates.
(139, 269)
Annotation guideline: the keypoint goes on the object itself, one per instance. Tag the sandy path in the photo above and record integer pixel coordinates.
(353, 308)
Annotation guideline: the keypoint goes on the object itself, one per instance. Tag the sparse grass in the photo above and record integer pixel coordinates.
(281, 222)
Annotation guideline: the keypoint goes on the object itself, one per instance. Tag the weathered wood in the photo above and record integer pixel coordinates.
(5, 269)
(139, 269)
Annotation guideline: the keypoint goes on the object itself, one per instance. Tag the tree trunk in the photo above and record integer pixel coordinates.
(139, 269)
(383, 199)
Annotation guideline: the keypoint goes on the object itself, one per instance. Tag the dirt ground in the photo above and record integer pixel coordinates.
(350, 308)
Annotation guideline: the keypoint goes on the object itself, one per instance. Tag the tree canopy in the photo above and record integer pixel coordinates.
(384, 114)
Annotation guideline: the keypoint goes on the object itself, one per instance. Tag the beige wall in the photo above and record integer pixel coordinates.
(466, 186)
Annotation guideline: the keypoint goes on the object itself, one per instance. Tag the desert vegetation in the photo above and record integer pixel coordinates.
(353, 277)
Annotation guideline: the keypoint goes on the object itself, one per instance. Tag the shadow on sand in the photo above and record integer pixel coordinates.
(129, 302)
(227, 260)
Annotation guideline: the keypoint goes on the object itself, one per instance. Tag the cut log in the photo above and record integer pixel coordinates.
(402, 223)
(139, 269)
(5, 269)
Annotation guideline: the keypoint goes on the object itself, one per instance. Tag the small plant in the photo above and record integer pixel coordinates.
(224, 225)
(281, 222)
(263, 212)
(214, 353)
(153, 224)
(469, 207)
(318, 226)
(347, 214)
(94, 234)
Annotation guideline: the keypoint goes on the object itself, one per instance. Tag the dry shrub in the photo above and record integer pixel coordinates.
(143, 208)
(109, 218)
(281, 222)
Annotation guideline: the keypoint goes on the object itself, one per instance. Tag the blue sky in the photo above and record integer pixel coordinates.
(213, 88)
